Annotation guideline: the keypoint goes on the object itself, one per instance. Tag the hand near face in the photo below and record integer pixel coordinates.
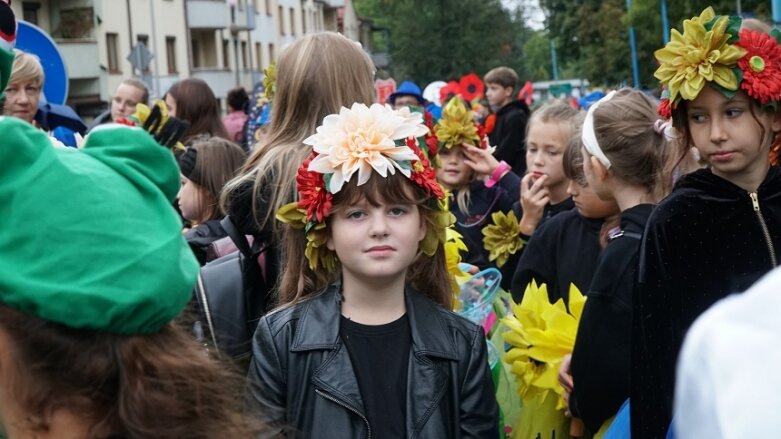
(534, 197)
(480, 160)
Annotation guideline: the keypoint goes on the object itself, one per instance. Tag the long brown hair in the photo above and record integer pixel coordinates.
(196, 103)
(427, 274)
(159, 385)
(217, 161)
(316, 76)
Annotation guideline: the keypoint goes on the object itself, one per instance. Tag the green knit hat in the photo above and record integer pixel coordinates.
(89, 238)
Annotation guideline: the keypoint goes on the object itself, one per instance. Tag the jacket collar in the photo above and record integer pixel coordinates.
(318, 326)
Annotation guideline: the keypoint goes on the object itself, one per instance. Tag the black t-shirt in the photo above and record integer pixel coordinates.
(380, 356)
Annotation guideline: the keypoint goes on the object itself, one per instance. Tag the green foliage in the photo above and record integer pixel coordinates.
(536, 52)
(445, 39)
(593, 35)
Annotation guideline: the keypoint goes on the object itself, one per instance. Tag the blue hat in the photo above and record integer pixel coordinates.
(407, 88)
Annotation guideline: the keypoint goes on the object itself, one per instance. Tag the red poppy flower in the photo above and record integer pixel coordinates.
(471, 87)
(451, 89)
(490, 123)
(665, 109)
(314, 196)
(761, 66)
(422, 173)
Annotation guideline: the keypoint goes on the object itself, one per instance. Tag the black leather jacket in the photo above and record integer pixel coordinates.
(301, 380)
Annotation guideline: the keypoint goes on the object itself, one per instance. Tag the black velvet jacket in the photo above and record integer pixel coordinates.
(301, 380)
(602, 354)
(706, 240)
(509, 135)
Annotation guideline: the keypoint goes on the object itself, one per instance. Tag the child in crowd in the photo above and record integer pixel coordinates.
(205, 167)
(509, 127)
(236, 119)
(625, 155)
(88, 346)
(365, 344)
(720, 230)
(474, 199)
(566, 248)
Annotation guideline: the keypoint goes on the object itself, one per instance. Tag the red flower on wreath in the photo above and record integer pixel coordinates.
(125, 121)
(422, 173)
(315, 198)
(665, 109)
(490, 123)
(483, 135)
(761, 66)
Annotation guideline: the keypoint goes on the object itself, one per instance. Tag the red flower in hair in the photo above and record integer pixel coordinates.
(314, 196)
(761, 66)
(665, 109)
(422, 173)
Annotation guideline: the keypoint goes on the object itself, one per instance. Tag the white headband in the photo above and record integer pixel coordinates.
(588, 136)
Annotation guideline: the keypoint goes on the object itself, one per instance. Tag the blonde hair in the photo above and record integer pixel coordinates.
(316, 76)
(27, 67)
(557, 111)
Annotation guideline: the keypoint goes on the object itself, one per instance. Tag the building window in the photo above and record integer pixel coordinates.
(244, 57)
(281, 20)
(113, 54)
(268, 8)
(258, 57)
(196, 46)
(303, 20)
(292, 21)
(226, 48)
(170, 51)
(271, 57)
(30, 12)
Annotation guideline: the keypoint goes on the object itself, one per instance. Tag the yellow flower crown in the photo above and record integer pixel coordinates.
(714, 50)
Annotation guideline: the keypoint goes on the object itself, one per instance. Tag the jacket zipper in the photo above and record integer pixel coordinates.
(348, 407)
(755, 201)
(206, 311)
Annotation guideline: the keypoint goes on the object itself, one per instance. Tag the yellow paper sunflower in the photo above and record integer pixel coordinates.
(316, 251)
(698, 56)
(456, 125)
(502, 238)
(541, 334)
(453, 247)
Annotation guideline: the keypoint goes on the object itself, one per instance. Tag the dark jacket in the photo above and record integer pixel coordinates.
(483, 201)
(301, 380)
(509, 135)
(602, 354)
(104, 117)
(703, 242)
(563, 250)
(202, 236)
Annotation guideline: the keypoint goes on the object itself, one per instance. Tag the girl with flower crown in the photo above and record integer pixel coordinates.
(365, 344)
(720, 229)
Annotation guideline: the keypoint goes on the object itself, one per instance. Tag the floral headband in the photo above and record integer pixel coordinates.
(364, 141)
(457, 126)
(714, 50)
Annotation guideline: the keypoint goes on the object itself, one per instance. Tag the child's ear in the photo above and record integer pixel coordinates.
(422, 229)
(329, 244)
(776, 123)
(599, 169)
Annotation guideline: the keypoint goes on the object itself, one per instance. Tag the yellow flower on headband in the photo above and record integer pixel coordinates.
(698, 56)
(361, 139)
(456, 126)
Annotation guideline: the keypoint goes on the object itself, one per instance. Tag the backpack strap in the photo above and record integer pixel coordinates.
(237, 237)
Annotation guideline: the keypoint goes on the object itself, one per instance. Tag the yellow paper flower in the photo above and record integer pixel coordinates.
(142, 114)
(502, 238)
(541, 334)
(698, 56)
(361, 139)
(270, 81)
(316, 251)
(453, 247)
(456, 125)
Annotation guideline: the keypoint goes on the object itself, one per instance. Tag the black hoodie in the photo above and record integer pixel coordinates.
(509, 135)
(706, 240)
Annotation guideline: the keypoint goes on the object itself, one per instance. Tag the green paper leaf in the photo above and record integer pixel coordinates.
(776, 34)
(733, 28)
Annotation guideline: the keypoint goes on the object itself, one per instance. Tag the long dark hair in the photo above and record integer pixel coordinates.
(196, 103)
(159, 385)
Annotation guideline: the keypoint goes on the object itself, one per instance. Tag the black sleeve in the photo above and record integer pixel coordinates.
(655, 339)
(534, 262)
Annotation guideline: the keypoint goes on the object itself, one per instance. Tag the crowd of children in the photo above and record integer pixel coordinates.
(365, 220)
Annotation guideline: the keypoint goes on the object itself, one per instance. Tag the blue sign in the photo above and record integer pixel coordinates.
(32, 39)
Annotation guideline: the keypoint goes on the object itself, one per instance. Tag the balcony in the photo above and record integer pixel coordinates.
(81, 57)
(245, 19)
(207, 14)
(219, 80)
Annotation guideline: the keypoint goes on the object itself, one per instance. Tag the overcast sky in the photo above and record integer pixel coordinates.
(534, 16)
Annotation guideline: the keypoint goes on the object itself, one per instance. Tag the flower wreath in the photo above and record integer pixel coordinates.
(363, 140)
(457, 126)
(713, 49)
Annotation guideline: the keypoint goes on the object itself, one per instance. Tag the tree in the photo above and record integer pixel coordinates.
(445, 39)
